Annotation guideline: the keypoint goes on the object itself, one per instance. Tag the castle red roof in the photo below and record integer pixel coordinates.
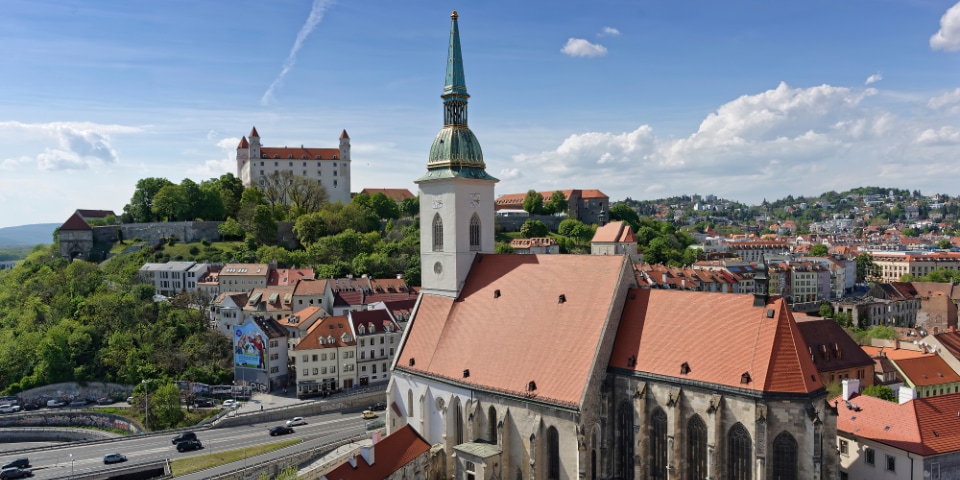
(75, 222)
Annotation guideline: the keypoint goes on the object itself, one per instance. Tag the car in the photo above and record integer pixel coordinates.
(55, 403)
(15, 473)
(378, 407)
(114, 458)
(22, 462)
(31, 406)
(204, 402)
(230, 404)
(293, 422)
(105, 401)
(9, 408)
(130, 400)
(369, 414)
(188, 445)
(184, 437)
(281, 430)
(78, 402)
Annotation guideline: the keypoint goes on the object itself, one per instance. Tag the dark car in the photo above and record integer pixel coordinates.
(378, 407)
(184, 437)
(18, 463)
(105, 401)
(281, 430)
(187, 445)
(114, 458)
(204, 402)
(31, 406)
(15, 473)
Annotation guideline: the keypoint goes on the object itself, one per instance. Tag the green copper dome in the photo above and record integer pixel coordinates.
(457, 146)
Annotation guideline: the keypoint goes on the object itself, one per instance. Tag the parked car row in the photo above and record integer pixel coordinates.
(19, 468)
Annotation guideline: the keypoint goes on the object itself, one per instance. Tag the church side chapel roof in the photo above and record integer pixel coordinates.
(741, 346)
(389, 455)
(519, 319)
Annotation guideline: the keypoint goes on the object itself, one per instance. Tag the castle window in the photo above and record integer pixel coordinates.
(261, 163)
(334, 163)
(334, 157)
(334, 184)
(475, 232)
(785, 457)
(739, 453)
(696, 449)
(437, 233)
(658, 444)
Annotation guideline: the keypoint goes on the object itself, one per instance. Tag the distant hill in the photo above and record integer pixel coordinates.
(27, 235)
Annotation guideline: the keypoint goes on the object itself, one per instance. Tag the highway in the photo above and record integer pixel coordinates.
(56, 461)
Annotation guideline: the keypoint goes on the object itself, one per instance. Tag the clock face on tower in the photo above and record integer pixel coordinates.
(474, 200)
(437, 202)
(437, 268)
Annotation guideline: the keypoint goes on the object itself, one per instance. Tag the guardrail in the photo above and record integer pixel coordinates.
(279, 464)
(151, 469)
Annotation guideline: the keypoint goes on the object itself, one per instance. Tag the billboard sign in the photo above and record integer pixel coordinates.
(249, 347)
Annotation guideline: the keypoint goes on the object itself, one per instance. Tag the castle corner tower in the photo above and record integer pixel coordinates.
(456, 193)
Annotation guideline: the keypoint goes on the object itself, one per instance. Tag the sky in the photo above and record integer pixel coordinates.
(744, 99)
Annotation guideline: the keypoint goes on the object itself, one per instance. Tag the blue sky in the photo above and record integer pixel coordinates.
(743, 99)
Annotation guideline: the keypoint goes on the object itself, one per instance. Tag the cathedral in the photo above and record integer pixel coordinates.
(527, 367)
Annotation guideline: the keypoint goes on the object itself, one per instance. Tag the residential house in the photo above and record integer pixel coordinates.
(834, 353)
(535, 245)
(226, 312)
(173, 278)
(378, 337)
(272, 302)
(615, 238)
(402, 455)
(310, 293)
(243, 277)
(326, 358)
(260, 353)
(300, 322)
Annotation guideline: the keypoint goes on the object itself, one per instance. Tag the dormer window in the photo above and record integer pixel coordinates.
(322, 340)
(319, 157)
(334, 157)
(330, 339)
(361, 330)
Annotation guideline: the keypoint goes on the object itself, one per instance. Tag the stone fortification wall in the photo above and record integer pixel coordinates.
(512, 224)
(73, 390)
(155, 232)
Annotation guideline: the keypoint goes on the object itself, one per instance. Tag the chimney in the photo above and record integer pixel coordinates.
(850, 386)
(663, 277)
(367, 454)
(907, 394)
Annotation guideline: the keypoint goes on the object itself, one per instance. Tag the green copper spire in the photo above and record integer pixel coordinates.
(456, 83)
(455, 151)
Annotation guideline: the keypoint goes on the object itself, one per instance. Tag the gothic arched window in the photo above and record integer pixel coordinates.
(696, 449)
(625, 441)
(437, 233)
(475, 232)
(658, 445)
(458, 423)
(409, 402)
(785, 457)
(739, 453)
(492, 425)
(553, 454)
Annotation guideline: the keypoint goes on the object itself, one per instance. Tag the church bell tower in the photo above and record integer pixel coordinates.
(456, 193)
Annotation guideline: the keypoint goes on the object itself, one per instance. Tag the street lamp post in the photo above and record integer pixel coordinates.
(71, 465)
(146, 404)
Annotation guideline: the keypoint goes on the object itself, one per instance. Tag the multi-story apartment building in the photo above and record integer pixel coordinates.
(752, 251)
(328, 166)
(243, 277)
(260, 353)
(326, 358)
(172, 278)
(893, 265)
(377, 336)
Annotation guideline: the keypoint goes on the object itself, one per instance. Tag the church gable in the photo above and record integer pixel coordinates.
(526, 325)
(714, 338)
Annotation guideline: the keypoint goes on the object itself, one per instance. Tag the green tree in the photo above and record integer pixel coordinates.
(231, 229)
(503, 247)
(557, 203)
(819, 250)
(533, 202)
(165, 408)
(944, 244)
(866, 268)
(882, 392)
(309, 228)
(410, 206)
(264, 226)
(534, 228)
(140, 208)
(826, 310)
(625, 213)
(171, 203)
(910, 232)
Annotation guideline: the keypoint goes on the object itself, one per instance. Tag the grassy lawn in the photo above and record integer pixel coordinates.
(191, 417)
(184, 466)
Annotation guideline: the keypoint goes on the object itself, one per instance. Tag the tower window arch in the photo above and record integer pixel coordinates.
(658, 444)
(785, 457)
(437, 233)
(475, 232)
(739, 451)
(696, 449)
(409, 402)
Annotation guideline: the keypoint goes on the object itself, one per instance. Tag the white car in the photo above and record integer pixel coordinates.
(230, 404)
(9, 408)
(293, 422)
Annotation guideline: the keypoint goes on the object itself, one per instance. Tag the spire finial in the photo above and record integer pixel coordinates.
(454, 15)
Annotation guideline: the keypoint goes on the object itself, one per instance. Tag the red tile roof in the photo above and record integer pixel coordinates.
(389, 455)
(96, 213)
(830, 346)
(327, 327)
(283, 277)
(894, 354)
(299, 153)
(615, 232)
(951, 342)
(344, 134)
(75, 222)
(927, 371)
(395, 194)
(742, 339)
(243, 143)
(253, 132)
(310, 287)
(924, 426)
(509, 327)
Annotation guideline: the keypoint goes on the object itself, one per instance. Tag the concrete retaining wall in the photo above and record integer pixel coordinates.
(65, 418)
(301, 410)
(14, 435)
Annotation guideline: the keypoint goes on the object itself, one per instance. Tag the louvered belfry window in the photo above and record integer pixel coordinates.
(437, 233)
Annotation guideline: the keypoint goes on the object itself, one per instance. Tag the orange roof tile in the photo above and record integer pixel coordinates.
(742, 339)
(344, 134)
(893, 353)
(253, 132)
(491, 329)
(299, 153)
(395, 194)
(243, 143)
(310, 287)
(881, 421)
(927, 370)
(389, 455)
(329, 326)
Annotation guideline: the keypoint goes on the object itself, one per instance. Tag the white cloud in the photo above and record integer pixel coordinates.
(578, 47)
(227, 163)
(949, 99)
(65, 145)
(317, 10)
(876, 77)
(792, 140)
(948, 37)
(946, 135)
(609, 32)
(510, 173)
